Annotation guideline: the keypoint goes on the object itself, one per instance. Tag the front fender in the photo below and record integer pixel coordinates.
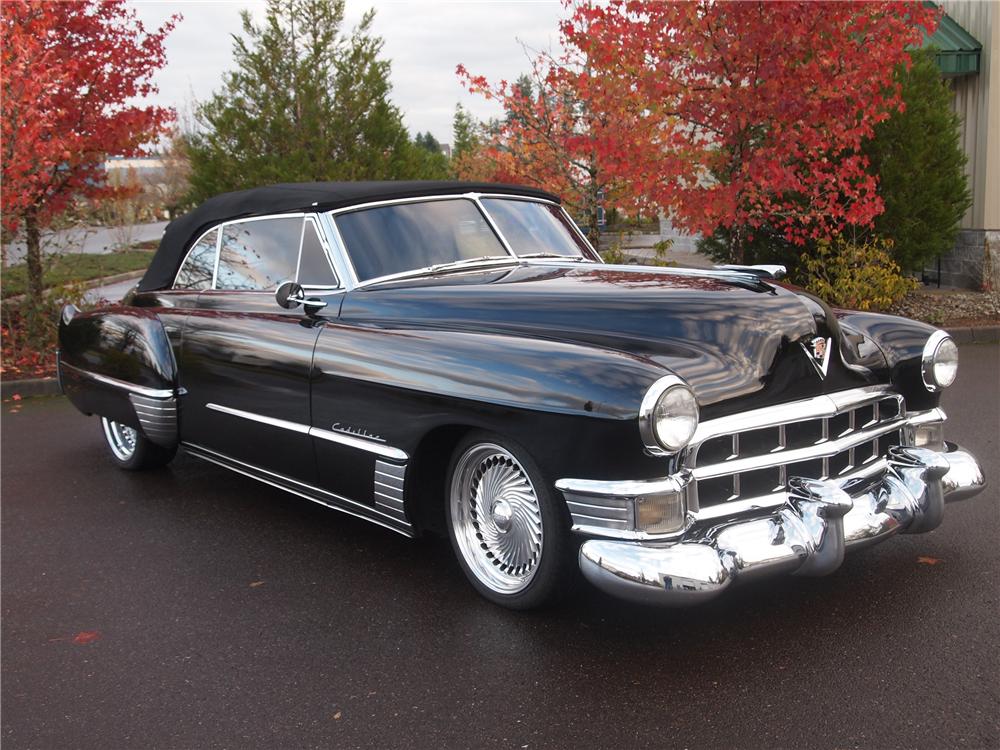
(574, 406)
(901, 342)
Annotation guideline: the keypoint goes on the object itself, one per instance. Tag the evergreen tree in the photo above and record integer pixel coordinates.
(465, 138)
(307, 101)
(920, 164)
(427, 142)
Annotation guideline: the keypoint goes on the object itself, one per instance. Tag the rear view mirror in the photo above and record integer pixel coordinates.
(289, 295)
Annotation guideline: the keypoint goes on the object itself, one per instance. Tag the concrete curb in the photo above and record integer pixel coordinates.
(117, 278)
(92, 284)
(976, 335)
(29, 388)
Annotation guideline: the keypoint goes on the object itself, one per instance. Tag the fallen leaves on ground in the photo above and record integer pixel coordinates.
(86, 636)
(929, 560)
(255, 584)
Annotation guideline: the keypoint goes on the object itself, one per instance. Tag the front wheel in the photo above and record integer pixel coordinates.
(508, 533)
(131, 450)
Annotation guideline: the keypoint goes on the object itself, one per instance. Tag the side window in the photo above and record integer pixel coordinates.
(198, 268)
(259, 255)
(314, 266)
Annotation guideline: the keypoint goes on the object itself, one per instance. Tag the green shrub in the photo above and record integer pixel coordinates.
(858, 276)
(918, 157)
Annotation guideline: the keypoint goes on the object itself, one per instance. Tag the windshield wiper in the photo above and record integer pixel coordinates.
(464, 262)
(555, 255)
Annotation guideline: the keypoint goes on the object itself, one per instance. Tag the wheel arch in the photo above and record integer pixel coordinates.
(426, 491)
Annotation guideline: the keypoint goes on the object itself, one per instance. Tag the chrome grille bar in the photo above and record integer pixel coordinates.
(841, 435)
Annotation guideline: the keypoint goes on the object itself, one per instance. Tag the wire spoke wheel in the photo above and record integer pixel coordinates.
(121, 438)
(496, 518)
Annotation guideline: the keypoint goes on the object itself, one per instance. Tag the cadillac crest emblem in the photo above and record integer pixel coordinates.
(818, 350)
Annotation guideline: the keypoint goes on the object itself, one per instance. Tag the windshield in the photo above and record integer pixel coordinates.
(434, 235)
(408, 236)
(533, 228)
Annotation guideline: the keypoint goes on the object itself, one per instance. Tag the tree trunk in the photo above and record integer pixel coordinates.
(33, 259)
(737, 245)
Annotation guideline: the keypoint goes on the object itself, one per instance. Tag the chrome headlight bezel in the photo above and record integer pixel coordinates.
(931, 357)
(647, 416)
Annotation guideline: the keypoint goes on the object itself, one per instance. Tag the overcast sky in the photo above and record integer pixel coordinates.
(424, 40)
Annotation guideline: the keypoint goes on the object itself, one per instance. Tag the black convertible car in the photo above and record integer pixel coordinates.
(455, 357)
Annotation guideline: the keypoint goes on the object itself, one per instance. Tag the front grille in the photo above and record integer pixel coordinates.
(751, 456)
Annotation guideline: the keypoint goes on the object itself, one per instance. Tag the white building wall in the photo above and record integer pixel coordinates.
(977, 101)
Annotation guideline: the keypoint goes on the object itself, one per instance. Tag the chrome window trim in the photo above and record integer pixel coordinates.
(173, 284)
(140, 390)
(246, 220)
(569, 219)
(331, 217)
(298, 256)
(314, 218)
(352, 441)
(338, 251)
(471, 197)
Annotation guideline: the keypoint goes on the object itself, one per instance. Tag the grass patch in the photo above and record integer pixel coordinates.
(63, 269)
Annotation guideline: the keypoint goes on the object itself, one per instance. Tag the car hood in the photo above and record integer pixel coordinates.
(731, 336)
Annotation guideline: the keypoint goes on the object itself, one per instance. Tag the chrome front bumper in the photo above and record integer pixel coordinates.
(807, 535)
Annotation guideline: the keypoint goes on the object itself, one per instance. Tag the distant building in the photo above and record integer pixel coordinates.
(969, 43)
(145, 169)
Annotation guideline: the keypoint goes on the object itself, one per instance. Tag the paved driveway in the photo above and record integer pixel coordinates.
(90, 240)
(192, 607)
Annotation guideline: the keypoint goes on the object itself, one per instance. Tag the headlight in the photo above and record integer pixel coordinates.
(939, 364)
(668, 416)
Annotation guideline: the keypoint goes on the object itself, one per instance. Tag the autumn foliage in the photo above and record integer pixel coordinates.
(70, 74)
(732, 115)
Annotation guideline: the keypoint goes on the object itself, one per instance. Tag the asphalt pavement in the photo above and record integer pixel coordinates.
(96, 240)
(191, 607)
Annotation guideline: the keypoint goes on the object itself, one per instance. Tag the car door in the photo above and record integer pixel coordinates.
(245, 361)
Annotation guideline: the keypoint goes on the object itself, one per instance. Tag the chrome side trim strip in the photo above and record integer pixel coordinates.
(116, 383)
(307, 491)
(282, 423)
(386, 451)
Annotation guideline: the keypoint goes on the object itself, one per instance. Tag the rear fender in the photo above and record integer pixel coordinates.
(117, 362)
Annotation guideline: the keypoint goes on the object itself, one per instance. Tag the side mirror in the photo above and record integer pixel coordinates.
(290, 295)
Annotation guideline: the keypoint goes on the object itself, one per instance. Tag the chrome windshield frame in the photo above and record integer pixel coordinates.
(340, 248)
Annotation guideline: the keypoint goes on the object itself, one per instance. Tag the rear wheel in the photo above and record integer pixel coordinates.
(506, 529)
(131, 450)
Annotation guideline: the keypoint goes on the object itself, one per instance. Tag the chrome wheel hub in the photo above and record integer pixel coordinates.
(502, 515)
(121, 438)
(496, 518)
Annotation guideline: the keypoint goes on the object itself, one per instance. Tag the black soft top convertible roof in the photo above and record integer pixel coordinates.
(295, 197)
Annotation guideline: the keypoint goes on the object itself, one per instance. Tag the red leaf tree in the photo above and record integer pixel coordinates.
(70, 72)
(547, 137)
(733, 115)
(750, 114)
